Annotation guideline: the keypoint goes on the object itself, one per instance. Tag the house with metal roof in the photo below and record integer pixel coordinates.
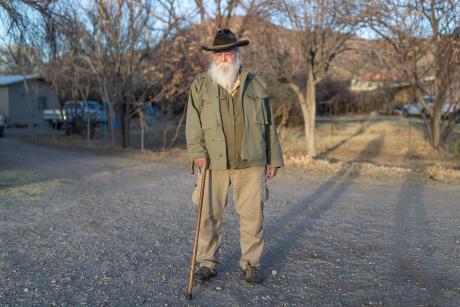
(23, 99)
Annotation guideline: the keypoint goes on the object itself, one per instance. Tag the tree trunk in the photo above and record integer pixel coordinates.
(436, 125)
(111, 123)
(142, 136)
(127, 124)
(307, 101)
(169, 111)
(124, 124)
(309, 113)
(179, 125)
(88, 132)
(121, 122)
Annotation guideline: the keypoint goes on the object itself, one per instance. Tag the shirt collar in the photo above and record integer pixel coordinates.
(235, 86)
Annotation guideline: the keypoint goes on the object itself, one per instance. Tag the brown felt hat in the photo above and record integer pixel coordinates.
(225, 40)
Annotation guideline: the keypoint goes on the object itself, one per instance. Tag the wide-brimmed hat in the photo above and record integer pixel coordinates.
(225, 40)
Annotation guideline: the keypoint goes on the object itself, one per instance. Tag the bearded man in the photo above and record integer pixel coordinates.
(231, 135)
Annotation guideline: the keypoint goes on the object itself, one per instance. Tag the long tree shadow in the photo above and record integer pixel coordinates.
(414, 252)
(364, 126)
(282, 233)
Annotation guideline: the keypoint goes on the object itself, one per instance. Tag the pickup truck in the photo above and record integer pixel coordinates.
(93, 109)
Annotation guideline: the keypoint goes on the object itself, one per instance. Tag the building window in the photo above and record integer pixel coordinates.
(42, 103)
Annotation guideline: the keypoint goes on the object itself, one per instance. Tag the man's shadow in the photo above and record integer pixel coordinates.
(418, 255)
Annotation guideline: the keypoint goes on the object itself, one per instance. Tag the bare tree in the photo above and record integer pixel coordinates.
(182, 58)
(424, 37)
(19, 58)
(322, 28)
(120, 41)
(221, 14)
(106, 46)
(20, 54)
(14, 14)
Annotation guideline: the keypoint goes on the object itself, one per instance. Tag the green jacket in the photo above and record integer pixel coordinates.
(204, 133)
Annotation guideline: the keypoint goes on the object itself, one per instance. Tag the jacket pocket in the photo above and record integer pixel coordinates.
(196, 190)
(209, 125)
(208, 114)
(256, 144)
(195, 195)
(257, 108)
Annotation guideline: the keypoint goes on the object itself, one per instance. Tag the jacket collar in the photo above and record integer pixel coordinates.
(245, 77)
(244, 82)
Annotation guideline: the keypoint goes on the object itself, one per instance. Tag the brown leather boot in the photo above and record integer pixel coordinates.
(251, 274)
(204, 273)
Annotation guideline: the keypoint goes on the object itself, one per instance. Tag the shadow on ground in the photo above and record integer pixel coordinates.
(280, 235)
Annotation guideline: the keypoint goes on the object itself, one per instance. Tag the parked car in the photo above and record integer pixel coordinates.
(2, 125)
(397, 110)
(96, 111)
(450, 110)
(415, 107)
(87, 112)
(55, 117)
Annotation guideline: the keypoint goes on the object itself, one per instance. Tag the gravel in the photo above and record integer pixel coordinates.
(82, 228)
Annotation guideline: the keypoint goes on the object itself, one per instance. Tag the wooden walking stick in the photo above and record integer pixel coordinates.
(197, 231)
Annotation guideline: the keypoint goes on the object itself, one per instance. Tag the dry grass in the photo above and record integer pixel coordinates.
(375, 147)
(372, 147)
(31, 190)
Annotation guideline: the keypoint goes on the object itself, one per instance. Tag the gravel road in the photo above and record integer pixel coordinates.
(83, 228)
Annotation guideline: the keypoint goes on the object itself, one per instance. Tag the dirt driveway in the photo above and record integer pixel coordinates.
(82, 228)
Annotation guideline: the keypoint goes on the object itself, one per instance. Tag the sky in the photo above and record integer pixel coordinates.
(186, 7)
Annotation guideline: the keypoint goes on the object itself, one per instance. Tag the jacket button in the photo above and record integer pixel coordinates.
(220, 155)
(220, 140)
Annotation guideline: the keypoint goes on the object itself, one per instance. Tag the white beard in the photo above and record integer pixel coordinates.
(225, 73)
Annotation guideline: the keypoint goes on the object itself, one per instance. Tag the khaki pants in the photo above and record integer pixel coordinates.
(249, 194)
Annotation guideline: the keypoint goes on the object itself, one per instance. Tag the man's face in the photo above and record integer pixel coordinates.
(224, 67)
(225, 56)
